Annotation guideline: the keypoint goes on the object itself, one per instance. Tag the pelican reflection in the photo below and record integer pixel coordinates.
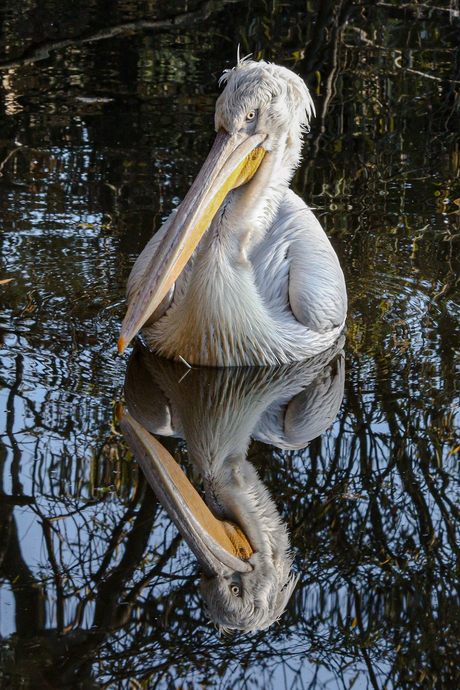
(236, 532)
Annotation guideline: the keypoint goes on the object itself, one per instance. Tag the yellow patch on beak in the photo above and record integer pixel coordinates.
(241, 547)
(250, 166)
(244, 172)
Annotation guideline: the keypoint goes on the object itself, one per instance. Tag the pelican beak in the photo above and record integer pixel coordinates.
(220, 546)
(232, 161)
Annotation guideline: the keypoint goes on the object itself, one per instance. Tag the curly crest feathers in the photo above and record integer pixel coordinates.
(268, 81)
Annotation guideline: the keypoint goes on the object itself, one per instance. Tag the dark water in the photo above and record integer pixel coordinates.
(102, 130)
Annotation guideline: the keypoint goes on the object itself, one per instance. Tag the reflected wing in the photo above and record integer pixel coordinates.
(312, 411)
(293, 423)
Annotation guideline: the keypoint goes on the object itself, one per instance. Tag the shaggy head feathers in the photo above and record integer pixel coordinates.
(280, 98)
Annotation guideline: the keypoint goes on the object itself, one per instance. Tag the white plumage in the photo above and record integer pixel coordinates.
(263, 285)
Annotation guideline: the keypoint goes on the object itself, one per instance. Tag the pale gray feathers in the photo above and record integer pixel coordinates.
(264, 286)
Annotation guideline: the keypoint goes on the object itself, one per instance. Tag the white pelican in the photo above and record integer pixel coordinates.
(237, 535)
(242, 273)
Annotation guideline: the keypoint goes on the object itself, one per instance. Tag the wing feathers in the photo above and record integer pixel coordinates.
(317, 292)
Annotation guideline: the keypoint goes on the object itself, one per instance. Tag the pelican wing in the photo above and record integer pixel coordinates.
(297, 270)
(317, 292)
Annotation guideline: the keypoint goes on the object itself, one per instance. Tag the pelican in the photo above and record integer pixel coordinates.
(242, 273)
(237, 534)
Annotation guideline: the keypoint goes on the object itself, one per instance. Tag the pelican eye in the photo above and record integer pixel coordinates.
(250, 116)
(235, 590)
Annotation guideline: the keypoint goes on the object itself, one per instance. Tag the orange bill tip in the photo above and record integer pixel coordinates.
(119, 411)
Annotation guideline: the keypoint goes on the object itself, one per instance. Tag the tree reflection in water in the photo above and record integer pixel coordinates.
(97, 589)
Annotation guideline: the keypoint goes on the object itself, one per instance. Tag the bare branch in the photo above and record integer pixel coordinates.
(43, 51)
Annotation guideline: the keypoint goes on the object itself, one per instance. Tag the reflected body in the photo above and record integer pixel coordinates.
(236, 533)
(242, 273)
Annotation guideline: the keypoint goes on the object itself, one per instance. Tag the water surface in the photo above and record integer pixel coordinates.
(100, 140)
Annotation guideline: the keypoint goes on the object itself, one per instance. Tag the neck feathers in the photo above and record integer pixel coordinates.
(218, 316)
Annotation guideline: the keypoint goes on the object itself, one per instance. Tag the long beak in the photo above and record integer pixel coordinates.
(232, 161)
(220, 546)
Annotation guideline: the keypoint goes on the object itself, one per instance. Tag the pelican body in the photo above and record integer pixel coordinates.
(242, 273)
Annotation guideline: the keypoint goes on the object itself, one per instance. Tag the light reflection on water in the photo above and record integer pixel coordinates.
(372, 505)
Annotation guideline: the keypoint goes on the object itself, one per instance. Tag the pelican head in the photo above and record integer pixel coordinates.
(259, 120)
(267, 102)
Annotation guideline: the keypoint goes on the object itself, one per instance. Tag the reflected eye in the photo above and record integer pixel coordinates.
(250, 116)
(235, 590)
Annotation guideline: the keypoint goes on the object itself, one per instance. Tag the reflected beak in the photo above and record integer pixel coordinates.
(232, 161)
(220, 546)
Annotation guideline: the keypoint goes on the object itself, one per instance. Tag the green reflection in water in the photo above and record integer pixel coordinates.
(100, 140)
